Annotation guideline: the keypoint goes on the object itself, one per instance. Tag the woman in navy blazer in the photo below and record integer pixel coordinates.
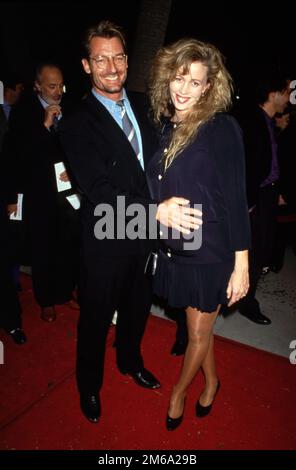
(201, 159)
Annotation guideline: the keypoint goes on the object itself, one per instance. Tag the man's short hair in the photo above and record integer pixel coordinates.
(42, 65)
(104, 29)
(266, 85)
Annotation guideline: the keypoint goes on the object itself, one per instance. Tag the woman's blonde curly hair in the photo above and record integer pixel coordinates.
(177, 58)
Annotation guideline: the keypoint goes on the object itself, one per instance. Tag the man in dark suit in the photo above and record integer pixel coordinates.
(32, 149)
(10, 317)
(108, 163)
(262, 173)
(12, 90)
(286, 224)
(10, 310)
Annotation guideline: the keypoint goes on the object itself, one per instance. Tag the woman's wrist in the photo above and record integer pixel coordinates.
(241, 261)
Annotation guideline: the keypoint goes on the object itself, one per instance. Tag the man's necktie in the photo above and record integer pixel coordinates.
(128, 128)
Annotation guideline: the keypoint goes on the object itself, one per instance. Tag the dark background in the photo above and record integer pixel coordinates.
(251, 40)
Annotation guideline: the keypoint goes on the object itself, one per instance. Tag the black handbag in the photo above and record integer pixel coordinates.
(151, 264)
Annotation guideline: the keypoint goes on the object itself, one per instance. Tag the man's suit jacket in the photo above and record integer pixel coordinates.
(104, 166)
(258, 152)
(32, 151)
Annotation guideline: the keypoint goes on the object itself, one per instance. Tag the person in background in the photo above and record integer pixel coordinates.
(285, 232)
(10, 311)
(262, 176)
(31, 150)
(12, 90)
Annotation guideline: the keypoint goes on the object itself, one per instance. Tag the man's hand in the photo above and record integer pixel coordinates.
(12, 209)
(64, 176)
(176, 214)
(50, 113)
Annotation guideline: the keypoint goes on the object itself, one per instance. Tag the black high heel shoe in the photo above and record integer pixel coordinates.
(202, 411)
(174, 423)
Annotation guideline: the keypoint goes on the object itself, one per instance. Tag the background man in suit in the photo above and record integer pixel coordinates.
(31, 149)
(262, 173)
(10, 310)
(286, 223)
(108, 163)
(10, 318)
(13, 88)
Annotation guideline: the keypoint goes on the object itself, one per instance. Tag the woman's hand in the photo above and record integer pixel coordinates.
(238, 284)
(175, 213)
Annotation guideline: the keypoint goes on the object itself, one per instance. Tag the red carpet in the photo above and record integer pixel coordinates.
(255, 408)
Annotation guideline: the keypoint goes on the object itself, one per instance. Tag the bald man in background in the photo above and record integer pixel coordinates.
(32, 149)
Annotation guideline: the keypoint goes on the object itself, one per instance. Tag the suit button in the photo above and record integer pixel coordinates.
(160, 177)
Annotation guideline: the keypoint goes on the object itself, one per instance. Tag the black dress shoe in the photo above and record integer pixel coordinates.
(276, 268)
(179, 348)
(90, 407)
(202, 411)
(143, 377)
(18, 336)
(257, 317)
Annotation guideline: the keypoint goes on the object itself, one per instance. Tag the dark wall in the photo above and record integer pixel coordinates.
(251, 41)
(37, 31)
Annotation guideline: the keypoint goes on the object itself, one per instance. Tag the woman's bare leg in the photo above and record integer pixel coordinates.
(200, 327)
(209, 369)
